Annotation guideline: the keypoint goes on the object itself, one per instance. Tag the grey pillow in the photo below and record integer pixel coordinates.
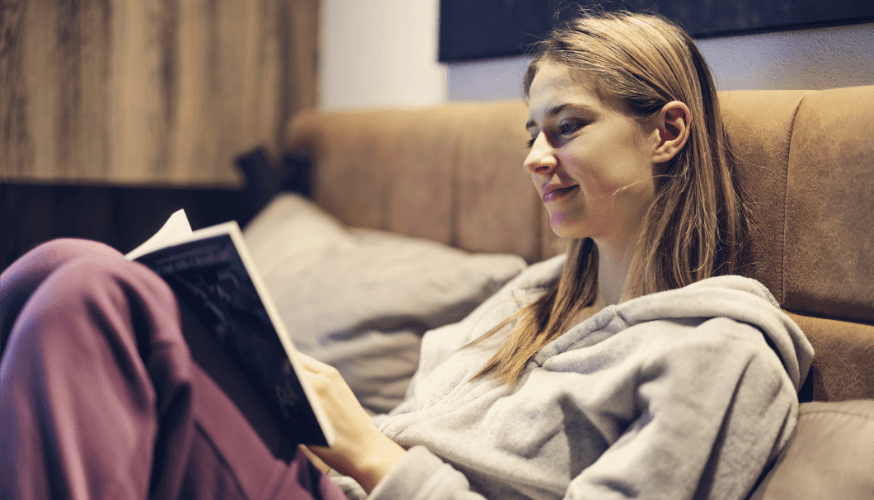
(361, 299)
(830, 456)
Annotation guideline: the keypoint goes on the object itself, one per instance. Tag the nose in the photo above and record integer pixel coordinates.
(541, 158)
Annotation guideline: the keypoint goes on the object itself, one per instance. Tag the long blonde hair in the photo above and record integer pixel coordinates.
(695, 227)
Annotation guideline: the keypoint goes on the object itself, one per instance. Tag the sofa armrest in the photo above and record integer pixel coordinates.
(830, 455)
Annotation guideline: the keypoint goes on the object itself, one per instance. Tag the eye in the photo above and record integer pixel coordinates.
(569, 127)
(530, 142)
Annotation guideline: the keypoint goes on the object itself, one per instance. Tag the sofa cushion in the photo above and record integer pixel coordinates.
(830, 455)
(361, 299)
(450, 173)
(828, 267)
(841, 368)
(762, 160)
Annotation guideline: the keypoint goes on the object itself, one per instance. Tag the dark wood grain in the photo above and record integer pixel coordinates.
(120, 216)
(163, 92)
(16, 143)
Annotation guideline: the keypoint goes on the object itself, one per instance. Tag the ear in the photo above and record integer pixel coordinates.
(673, 129)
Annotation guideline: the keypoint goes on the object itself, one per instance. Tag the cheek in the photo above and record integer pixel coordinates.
(591, 172)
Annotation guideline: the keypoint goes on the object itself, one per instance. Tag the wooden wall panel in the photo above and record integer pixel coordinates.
(120, 216)
(149, 91)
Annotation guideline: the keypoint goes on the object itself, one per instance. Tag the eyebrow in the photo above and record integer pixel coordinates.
(555, 110)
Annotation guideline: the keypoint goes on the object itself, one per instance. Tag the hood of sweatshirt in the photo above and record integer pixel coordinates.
(736, 297)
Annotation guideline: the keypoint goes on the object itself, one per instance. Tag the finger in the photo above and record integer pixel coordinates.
(316, 461)
(312, 364)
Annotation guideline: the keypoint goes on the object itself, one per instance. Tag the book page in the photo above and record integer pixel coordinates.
(174, 230)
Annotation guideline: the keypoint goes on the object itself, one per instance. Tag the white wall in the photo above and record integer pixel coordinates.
(376, 53)
(384, 53)
(808, 59)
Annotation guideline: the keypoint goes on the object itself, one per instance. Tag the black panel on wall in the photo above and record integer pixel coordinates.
(490, 28)
(476, 29)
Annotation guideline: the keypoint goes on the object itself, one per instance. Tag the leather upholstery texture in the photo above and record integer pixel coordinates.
(805, 164)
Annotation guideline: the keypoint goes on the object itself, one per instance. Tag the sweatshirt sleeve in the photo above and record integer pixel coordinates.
(716, 409)
(421, 475)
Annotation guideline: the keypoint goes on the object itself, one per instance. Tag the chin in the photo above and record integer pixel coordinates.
(567, 228)
(564, 230)
(571, 222)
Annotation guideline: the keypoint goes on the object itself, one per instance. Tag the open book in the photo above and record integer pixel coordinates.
(213, 277)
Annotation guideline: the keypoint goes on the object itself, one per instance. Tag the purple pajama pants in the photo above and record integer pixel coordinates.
(102, 397)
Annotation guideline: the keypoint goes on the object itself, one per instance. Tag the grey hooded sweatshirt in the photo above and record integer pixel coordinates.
(688, 393)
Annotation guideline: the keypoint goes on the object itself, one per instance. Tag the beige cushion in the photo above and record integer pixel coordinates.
(451, 173)
(361, 299)
(831, 455)
(762, 160)
(828, 267)
(842, 366)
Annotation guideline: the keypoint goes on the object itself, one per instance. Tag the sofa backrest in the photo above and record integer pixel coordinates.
(805, 164)
(451, 173)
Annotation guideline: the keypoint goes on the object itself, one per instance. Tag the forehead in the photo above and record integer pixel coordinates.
(555, 85)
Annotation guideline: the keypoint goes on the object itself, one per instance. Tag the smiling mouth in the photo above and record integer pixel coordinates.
(555, 193)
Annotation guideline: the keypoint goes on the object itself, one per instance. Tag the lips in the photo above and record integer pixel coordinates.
(553, 192)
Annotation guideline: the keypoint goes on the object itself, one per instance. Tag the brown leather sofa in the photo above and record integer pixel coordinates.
(806, 165)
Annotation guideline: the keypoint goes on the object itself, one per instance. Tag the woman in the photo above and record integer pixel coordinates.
(624, 369)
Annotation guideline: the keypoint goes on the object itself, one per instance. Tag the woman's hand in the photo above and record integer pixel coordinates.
(359, 450)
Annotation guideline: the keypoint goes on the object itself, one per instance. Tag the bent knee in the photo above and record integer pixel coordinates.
(26, 275)
(99, 277)
(62, 250)
(99, 293)
(35, 265)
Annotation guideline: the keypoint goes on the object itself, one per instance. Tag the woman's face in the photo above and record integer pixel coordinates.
(590, 161)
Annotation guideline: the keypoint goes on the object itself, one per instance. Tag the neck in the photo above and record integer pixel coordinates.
(615, 278)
